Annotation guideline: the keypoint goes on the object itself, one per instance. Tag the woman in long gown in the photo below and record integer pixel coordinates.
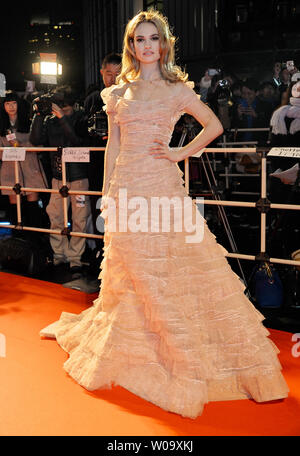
(171, 323)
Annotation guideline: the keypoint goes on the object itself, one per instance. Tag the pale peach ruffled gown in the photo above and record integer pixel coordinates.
(171, 323)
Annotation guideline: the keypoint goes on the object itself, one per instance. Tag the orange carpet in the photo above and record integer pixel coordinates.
(38, 398)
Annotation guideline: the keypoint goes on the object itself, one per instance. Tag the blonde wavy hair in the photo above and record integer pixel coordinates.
(131, 66)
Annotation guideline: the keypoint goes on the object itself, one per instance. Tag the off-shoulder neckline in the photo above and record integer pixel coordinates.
(121, 97)
(146, 101)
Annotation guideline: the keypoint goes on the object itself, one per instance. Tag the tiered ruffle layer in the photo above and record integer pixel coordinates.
(171, 323)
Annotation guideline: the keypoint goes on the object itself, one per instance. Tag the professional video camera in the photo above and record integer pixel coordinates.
(44, 102)
(97, 125)
(223, 93)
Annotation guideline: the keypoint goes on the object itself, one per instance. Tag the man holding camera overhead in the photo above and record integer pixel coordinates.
(57, 124)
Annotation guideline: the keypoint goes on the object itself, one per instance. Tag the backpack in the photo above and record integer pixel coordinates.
(268, 287)
(25, 255)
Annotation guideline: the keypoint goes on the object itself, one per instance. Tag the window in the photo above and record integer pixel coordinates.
(241, 13)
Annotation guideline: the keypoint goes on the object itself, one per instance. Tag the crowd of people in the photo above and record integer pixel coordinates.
(247, 103)
(57, 120)
(269, 111)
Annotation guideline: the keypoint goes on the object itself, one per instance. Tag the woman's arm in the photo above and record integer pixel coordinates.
(111, 152)
(212, 128)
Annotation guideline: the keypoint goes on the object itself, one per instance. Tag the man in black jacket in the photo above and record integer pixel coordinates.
(93, 105)
(64, 128)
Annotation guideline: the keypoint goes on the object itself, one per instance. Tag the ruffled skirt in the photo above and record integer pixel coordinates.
(171, 324)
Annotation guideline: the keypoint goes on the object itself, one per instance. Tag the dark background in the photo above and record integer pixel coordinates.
(247, 36)
(16, 32)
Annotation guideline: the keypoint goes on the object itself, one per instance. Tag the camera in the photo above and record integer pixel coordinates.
(44, 102)
(97, 125)
(223, 93)
(224, 84)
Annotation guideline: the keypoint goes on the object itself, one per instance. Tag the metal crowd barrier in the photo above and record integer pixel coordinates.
(263, 205)
(224, 143)
(64, 191)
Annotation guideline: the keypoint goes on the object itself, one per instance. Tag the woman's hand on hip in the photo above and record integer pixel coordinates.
(162, 150)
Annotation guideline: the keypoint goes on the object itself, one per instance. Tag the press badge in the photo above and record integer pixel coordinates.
(80, 200)
(11, 137)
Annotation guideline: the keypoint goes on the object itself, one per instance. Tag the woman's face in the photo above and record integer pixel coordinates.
(146, 43)
(11, 107)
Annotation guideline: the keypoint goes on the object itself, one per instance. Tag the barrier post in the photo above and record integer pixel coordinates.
(17, 190)
(227, 163)
(263, 197)
(263, 205)
(64, 191)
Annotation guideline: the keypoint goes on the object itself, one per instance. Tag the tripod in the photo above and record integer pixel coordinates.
(190, 133)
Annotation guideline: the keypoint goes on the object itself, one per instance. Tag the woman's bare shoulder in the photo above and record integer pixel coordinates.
(117, 90)
(185, 87)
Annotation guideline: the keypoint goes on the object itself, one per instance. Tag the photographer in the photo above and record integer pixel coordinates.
(110, 69)
(57, 124)
(93, 104)
(98, 129)
(219, 99)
